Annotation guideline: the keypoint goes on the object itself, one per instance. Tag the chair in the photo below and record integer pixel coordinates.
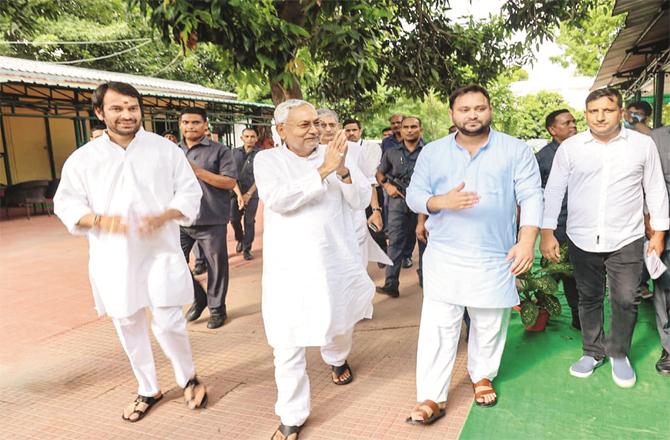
(28, 194)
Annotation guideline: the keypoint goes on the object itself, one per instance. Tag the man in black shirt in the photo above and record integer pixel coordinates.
(215, 169)
(245, 198)
(561, 125)
(394, 174)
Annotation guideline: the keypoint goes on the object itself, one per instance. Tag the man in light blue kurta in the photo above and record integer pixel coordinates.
(470, 184)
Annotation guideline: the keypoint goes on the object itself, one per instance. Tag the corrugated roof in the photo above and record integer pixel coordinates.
(50, 74)
(647, 23)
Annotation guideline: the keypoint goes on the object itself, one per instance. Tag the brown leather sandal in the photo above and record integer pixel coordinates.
(484, 383)
(339, 371)
(139, 408)
(426, 413)
(195, 394)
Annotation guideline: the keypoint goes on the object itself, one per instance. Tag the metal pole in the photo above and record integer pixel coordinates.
(50, 149)
(5, 152)
(658, 97)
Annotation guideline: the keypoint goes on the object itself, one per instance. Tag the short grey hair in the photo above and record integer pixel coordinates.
(283, 109)
(326, 112)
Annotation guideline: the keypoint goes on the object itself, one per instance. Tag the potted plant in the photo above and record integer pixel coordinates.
(537, 291)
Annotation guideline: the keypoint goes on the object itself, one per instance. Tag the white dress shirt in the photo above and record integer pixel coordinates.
(607, 184)
(128, 272)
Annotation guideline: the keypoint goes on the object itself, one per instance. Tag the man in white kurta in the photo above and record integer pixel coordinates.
(314, 287)
(470, 184)
(128, 191)
(366, 157)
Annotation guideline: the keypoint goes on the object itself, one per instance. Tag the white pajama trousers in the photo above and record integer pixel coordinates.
(169, 328)
(293, 395)
(439, 333)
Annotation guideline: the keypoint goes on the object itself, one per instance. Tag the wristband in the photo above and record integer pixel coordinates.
(96, 222)
(377, 209)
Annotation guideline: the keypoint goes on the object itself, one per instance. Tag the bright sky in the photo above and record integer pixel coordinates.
(543, 69)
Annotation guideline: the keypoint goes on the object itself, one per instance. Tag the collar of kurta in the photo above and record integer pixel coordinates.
(309, 156)
(482, 148)
(623, 134)
(105, 135)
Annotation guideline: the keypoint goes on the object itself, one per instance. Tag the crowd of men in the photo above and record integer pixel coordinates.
(332, 202)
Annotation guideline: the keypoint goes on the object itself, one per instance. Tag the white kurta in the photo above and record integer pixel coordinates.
(314, 287)
(151, 175)
(366, 157)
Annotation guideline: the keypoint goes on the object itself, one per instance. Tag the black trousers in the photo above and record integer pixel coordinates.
(570, 291)
(622, 268)
(401, 228)
(212, 242)
(244, 235)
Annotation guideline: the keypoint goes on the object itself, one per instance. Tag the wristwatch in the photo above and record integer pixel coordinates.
(343, 178)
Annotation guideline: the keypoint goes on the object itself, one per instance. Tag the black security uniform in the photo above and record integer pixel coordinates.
(245, 171)
(209, 228)
(397, 165)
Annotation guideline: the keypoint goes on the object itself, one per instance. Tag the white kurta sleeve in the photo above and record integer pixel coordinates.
(357, 193)
(187, 191)
(528, 188)
(283, 193)
(555, 189)
(71, 200)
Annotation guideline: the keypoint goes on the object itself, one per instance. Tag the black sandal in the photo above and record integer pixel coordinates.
(195, 394)
(339, 371)
(139, 408)
(287, 431)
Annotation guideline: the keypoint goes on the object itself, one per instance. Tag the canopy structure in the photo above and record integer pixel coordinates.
(639, 58)
(45, 112)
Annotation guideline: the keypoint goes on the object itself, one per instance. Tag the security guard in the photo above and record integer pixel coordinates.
(395, 172)
(244, 204)
(215, 169)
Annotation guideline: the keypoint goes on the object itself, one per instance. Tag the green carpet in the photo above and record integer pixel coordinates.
(538, 399)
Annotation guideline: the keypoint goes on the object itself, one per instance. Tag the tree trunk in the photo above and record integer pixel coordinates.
(281, 93)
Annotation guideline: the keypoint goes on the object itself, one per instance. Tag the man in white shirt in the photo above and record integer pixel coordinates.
(367, 161)
(314, 286)
(128, 191)
(371, 153)
(607, 170)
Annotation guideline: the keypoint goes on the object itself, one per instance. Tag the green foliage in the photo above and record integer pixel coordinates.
(537, 288)
(586, 40)
(100, 20)
(361, 48)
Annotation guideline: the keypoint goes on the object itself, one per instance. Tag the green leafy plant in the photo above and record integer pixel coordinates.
(538, 288)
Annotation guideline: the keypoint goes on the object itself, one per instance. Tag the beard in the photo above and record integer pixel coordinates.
(124, 131)
(484, 128)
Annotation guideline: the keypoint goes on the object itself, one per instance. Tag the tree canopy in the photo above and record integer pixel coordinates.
(586, 40)
(359, 47)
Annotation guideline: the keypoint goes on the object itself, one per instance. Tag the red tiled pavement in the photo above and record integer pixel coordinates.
(63, 374)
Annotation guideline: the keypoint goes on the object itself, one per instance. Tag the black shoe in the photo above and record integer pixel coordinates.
(663, 364)
(576, 324)
(199, 268)
(239, 247)
(194, 312)
(247, 255)
(407, 263)
(216, 319)
(387, 290)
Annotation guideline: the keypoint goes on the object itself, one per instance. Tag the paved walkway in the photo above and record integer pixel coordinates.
(63, 374)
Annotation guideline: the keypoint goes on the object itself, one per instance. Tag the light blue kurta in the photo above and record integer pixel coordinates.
(465, 261)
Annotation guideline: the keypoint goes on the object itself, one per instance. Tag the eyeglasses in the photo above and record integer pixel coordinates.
(306, 125)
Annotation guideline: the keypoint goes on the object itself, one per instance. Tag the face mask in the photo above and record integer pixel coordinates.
(627, 124)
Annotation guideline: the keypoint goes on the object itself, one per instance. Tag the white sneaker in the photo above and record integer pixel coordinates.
(623, 373)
